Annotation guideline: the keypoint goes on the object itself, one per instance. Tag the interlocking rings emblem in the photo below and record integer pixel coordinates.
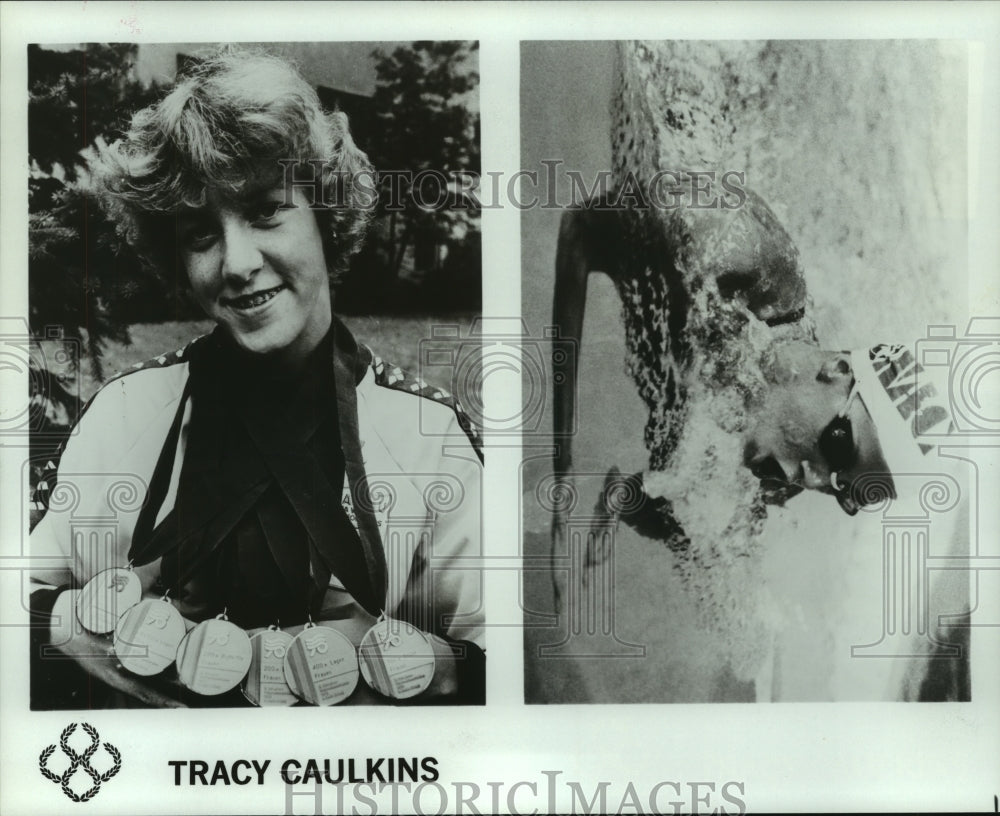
(80, 760)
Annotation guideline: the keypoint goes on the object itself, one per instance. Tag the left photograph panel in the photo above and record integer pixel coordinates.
(254, 290)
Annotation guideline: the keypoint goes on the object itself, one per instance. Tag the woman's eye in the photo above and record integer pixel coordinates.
(199, 237)
(265, 210)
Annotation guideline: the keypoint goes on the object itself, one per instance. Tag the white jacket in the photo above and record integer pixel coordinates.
(423, 473)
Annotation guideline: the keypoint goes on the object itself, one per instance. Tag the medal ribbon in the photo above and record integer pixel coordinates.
(256, 476)
(350, 364)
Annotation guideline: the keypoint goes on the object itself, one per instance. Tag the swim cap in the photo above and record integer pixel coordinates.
(908, 404)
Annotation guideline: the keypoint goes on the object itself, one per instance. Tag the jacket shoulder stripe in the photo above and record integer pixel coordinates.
(392, 376)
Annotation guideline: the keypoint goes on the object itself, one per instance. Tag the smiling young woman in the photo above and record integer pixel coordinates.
(258, 556)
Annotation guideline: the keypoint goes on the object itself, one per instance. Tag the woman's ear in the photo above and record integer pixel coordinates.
(837, 366)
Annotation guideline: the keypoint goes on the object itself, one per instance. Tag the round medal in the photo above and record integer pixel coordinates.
(213, 657)
(397, 659)
(321, 666)
(105, 597)
(147, 636)
(265, 683)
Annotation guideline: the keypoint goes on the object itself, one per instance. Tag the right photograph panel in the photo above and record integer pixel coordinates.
(747, 262)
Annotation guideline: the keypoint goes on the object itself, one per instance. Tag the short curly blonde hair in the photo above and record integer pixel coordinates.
(229, 120)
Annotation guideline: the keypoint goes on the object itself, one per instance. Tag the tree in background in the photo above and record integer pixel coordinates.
(81, 277)
(421, 258)
(84, 285)
(90, 286)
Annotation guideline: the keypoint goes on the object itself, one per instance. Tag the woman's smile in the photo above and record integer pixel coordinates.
(252, 302)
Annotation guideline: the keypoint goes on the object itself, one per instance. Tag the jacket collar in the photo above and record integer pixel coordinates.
(350, 363)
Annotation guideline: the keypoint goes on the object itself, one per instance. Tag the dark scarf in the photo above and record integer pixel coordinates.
(258, 526)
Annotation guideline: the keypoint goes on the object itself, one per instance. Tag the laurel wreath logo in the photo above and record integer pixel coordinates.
(78, 761)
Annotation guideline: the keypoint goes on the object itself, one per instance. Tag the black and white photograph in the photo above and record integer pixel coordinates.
(762, 476)
(248, 493)
(493, 407)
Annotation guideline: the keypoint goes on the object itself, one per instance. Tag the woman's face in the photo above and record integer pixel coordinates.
(258, 269)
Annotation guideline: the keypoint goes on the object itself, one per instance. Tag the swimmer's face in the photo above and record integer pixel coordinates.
(809, 431)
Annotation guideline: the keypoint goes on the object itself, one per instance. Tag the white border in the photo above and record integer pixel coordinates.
(792, 757)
